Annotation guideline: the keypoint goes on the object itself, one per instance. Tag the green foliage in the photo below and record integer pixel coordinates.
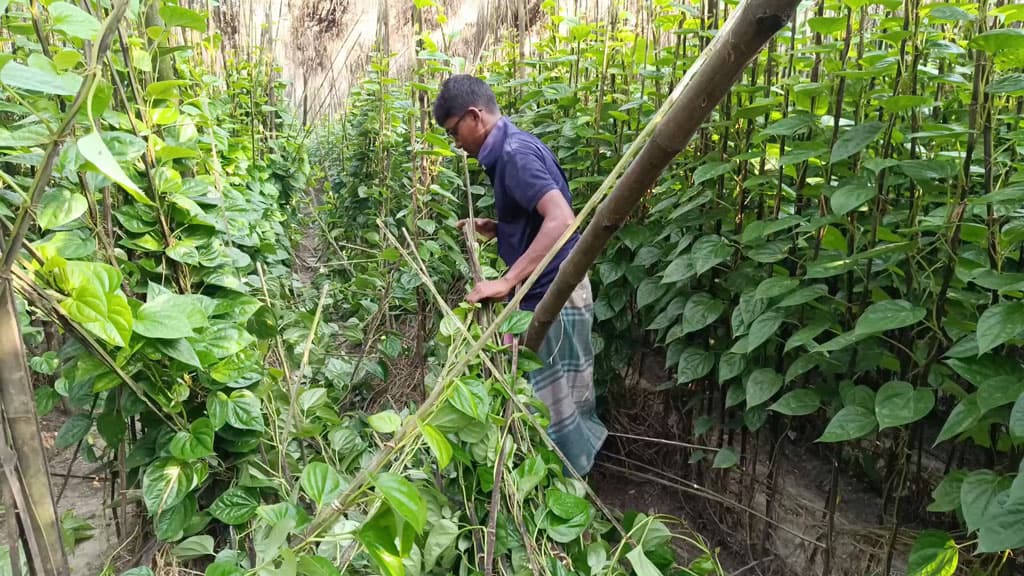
(898, 403)
(147, 236)
(194, 444)
(234, 506)
(817, 233)
(798, 403)
(830, 246)
(934, 554)
(74, 529)
(320, 482)
(403, 498)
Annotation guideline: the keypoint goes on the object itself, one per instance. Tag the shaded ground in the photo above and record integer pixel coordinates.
(86, 495)
(625, 493)
(727, 506)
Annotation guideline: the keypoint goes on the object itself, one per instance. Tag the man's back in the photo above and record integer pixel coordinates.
(522, 169)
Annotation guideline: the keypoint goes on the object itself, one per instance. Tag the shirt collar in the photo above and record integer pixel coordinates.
(491, 150)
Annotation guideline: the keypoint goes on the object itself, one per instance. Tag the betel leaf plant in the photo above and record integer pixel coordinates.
(836, 253)
(160, 249)
(838, 245)
(153, 215)
(465, 481)
(474, 427)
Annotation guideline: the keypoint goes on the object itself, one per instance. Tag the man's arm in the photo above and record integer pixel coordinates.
(558, 216)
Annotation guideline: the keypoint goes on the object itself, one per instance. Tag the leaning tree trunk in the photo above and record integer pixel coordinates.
(705, 84)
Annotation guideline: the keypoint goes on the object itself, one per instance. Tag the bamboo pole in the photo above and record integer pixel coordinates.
(703, 86)
(25, 460)
(164, 65)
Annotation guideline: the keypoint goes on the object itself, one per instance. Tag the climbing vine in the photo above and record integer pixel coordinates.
(836, 259)
(835, 254)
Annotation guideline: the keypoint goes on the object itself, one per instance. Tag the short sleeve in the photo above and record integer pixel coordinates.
(527, 179)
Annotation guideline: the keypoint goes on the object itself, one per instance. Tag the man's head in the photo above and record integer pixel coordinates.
(467, 110)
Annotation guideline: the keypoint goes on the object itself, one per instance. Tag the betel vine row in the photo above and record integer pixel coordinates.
(213, 386)
(816, 235)
(837, 255)
(143, 198)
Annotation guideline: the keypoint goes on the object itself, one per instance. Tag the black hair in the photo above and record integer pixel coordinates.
(460, 93)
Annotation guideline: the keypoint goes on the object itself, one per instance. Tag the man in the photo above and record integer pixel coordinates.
(534, 208)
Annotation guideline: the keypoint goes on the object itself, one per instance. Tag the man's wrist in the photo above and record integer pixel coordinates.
(510, 284)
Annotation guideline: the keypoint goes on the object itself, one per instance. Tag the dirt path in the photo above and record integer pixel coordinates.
(309, 252)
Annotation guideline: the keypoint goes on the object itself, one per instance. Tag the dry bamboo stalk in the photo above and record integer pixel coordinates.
(39, 515)
(469, 229)
(490, 534)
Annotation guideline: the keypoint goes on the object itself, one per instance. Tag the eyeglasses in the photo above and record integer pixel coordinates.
(455, 127)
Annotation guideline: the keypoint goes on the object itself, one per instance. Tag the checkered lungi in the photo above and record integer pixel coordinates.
(566, 381)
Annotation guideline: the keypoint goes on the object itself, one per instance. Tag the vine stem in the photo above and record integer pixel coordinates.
(891, 546)
(74, 456)
(490, 536)
(833, 501)
(279, 346)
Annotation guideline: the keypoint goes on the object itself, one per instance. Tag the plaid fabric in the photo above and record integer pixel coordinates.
(566, 382)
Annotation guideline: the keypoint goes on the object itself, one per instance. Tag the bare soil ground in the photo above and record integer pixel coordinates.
(625, 493)
(87, 494)
(727, 513)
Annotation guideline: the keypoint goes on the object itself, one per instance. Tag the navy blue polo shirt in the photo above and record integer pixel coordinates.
(522, 169)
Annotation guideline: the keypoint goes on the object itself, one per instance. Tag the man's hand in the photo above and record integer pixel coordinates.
(484, 226)
(490, 290)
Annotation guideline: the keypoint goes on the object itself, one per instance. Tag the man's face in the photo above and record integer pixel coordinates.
(467, 131)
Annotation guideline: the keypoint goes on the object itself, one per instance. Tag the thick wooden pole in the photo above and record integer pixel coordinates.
(710, 78)
(30, 467)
